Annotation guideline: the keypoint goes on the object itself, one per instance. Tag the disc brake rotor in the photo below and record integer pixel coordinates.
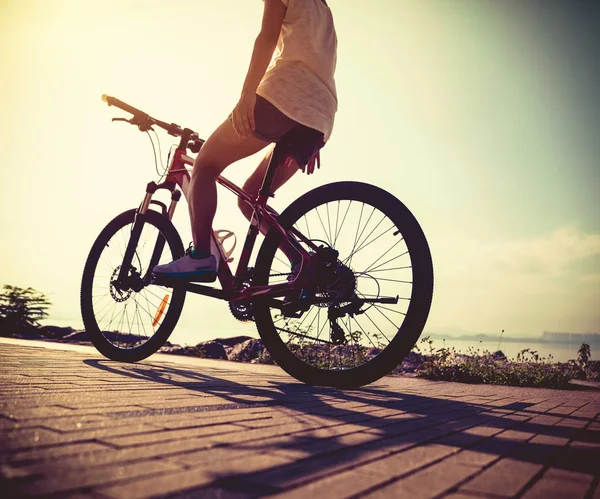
(118, 294)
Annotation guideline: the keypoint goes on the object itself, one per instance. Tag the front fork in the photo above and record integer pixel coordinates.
(125, 281)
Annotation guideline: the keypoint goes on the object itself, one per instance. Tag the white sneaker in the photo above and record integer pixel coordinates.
(188, 268)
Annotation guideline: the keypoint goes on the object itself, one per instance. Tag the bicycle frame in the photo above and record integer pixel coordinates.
(179, 176)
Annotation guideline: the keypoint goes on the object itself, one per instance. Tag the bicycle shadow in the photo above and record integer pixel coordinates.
(363, 426)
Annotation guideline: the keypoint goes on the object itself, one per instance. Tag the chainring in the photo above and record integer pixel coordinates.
(242, 310)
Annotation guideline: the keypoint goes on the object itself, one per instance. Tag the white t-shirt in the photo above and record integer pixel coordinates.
(300, 79)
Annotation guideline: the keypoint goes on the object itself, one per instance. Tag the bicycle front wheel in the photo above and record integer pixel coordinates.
(130, 322)
(367, 316)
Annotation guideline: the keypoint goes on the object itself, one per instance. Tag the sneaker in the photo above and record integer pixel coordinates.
(189, 268)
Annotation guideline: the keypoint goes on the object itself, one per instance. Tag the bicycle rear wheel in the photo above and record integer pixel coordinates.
(383, 253)
(130, 323)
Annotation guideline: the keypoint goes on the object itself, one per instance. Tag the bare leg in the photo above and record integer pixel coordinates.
(222, 148)
(282, 174)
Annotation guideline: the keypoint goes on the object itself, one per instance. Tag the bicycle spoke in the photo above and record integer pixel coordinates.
(385, 263)
(388, 309)
(301, 335)
(378, 328)
(337, 235)
(324, 230)
(365, 244)
(337, 218)
(390, 269)
(329, 225)
(363, 330)
(394, 280)
(386, 252)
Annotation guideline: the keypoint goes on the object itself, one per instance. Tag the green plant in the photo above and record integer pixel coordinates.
(583, 355)
(21, 308)
(529, 369)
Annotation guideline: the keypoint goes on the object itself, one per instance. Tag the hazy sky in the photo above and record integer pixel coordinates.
(482, 116)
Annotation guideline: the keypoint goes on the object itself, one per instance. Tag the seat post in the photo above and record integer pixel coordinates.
(276, 158)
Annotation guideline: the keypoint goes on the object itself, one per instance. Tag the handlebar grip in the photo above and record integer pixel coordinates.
(112, 101)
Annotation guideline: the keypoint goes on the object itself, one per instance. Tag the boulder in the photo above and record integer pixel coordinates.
(411, 362)
(179, 350)
(247, 351)
(76, 336)
(212, 350)
(231, 342)
(498, 355)
(263, 358)
(55, 332)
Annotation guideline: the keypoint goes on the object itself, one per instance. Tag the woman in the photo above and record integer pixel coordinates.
(288, 98)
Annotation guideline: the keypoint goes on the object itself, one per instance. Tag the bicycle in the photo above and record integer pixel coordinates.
(349, 315)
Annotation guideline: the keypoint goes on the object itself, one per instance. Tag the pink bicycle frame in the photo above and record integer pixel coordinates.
(179, 175)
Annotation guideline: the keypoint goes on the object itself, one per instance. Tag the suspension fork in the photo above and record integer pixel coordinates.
(136, 231)
(160, 240)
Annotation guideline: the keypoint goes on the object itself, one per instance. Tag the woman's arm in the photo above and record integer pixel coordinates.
(264, 46)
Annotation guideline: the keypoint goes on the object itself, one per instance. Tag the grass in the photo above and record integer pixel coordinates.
(527, 370)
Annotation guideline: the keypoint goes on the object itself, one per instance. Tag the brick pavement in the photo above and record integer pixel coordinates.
(74, 424)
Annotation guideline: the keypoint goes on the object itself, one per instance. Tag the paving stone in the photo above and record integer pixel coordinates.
(398, 464)
(560, 484)
(189, 479)
(154, 437)
(310, 469)
(52, 452)
(505, 477)
(429, 482)
(338, 486)
(55, 483)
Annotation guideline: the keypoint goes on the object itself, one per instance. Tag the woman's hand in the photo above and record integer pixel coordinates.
(315, 160)
(308, 168)
(242, 117)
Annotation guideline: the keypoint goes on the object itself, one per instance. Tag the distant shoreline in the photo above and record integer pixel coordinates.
(593, 341)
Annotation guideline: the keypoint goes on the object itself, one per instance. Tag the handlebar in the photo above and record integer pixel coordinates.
(113, 101)
(189, 138)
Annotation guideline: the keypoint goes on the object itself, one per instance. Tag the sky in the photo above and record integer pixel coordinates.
(482, 117)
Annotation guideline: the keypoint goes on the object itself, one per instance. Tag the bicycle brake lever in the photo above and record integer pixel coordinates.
(121, 119)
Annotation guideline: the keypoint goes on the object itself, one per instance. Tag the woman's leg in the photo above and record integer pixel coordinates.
(283, 173)
(221, 149)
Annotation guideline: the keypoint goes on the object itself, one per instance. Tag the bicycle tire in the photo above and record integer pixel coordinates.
(419, 304)
(151, 307)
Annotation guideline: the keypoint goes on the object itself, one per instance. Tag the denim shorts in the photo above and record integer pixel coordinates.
(292, 138)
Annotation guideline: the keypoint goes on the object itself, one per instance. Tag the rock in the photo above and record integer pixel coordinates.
(231, 342)
(76, 336)
(27, 335)
(179, 350)
(55, 332)
(411, 362)
(205, 350)
(372, 352)
(247, 351)
(212, 350)
(263, 358)
(499, 355)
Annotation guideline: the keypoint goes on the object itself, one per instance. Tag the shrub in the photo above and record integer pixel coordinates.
(21, 309)
(529, 369)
